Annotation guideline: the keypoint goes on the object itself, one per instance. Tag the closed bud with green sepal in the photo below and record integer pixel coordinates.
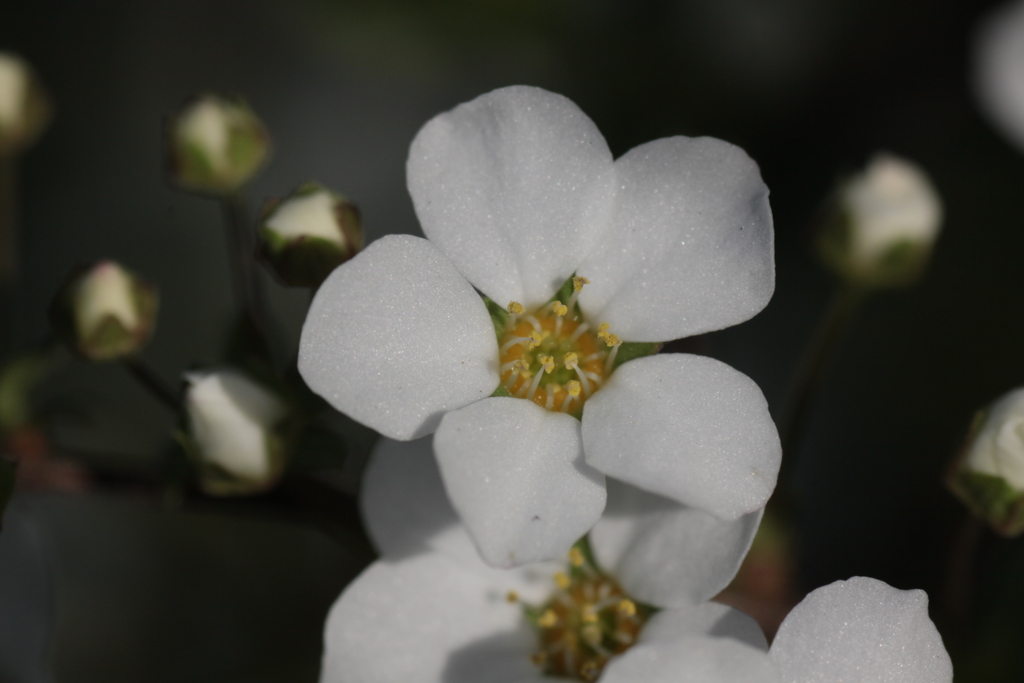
(988, 476)
(105, 312)
(308, 234)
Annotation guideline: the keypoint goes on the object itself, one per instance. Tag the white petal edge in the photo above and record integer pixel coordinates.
(861, 631)
(425, 620)
(692, 660)
(691, 247)
(686, 427)
(514, 187)
(706, 619)
(396, 337)
(515, 474)
(667, 554)
(999, 69)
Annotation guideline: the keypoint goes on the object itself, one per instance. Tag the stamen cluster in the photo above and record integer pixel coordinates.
(552, 357)
(588, 620)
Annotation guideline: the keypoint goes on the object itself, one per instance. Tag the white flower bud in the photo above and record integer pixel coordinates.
(105, 311)
(884, 224)
(234, 431)
(308, 234)
(989, 474)
(24, 106)
(215, 145)
(999, 70)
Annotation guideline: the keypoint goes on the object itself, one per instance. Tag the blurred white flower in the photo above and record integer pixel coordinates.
(234, 431)
(989, 474)
(13, 89)
(885, 224)
(517, 191)
(215, 145)
(430, 612)
(999, 70)
(24, 106)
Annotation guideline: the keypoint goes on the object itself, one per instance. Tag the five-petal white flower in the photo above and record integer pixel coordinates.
(430, 611)
(517, 191)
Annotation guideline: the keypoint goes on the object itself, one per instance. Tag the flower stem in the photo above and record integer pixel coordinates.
(152, 382)
(808, 377)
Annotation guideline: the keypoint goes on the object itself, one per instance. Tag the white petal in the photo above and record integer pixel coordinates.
(861, 631)
(667, 554)
(515, 473)
(691, 248)
(999, 69)
(425, 620)
(396, 337)
(514, 188)
(692, 660)
(686, 427)
(706, 619)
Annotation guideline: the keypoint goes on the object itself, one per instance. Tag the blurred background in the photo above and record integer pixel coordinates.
(105, 584)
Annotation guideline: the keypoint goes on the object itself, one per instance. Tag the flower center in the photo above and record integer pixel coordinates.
(588, 620)
(552, 356)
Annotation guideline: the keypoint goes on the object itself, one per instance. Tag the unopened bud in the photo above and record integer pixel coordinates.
(308, 234)
(881, 228)
(24, 105)
(105, 312)
(988, 476)
(215, 145)
(236, 432)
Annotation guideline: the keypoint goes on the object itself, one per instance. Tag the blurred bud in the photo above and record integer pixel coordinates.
(215, 145)
(24, 105)
(988, 476)
(105, 312)
(236, 432)
(881, 227)
(308, 234)
(999, 70)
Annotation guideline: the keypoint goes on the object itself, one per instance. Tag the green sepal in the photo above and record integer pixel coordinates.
(631, 350)
(501, 392)
(992, 499)
(499, 317)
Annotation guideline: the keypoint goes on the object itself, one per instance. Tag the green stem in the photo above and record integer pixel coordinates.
(152, 383)
(808, 378)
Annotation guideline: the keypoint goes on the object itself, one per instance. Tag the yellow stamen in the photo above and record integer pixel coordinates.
(558, 308)
(614, 341)
(512, 596)
(515, 309)
(591, 634)
(626, 608)
(588, 614)
(573, 388)
(590, 670)
(548, 619)
(576, 557)
(561, 580)
(578, 282)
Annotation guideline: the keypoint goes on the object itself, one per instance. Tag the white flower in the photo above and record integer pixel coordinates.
(517, 191)
(429, 611)
(989, 475)
(233, 422)
(14, 80)
(24, 105)
(999, 70)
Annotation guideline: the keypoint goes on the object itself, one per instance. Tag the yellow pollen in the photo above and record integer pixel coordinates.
(561, 580)
(548, 619)
(626, 608)
(512, 596)
(590, 670)
(576, 557)
(573, 387)
(591, 634)
(602, 329)
(612, 340)
(578, 282)
(547, 362)
(515, 308)
(570, 359)
(558, 308)
(588, 614)
(535, 339)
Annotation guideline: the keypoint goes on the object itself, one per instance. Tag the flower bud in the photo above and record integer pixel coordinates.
(308, 234)
(105, 312)
(215, 145)
(881, 227)
(236, 432)
(988, 476)
(24, 105)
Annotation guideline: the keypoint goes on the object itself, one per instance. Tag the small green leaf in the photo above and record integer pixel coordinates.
(992, 499)
(501, 392)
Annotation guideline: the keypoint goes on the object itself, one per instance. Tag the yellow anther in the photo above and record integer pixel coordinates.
(535, 339)
(602, 329)
(626, 608)
(561, 580)
(548, 619)
(590, 670)
(558, 308)
(612, 340)
(588, 614)
(576, 557)
(515, 308)
(547, 362)
(574, 388)
(571, 359)
(512, 596)
(591, 635)
(578, 282)
(539, 658)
